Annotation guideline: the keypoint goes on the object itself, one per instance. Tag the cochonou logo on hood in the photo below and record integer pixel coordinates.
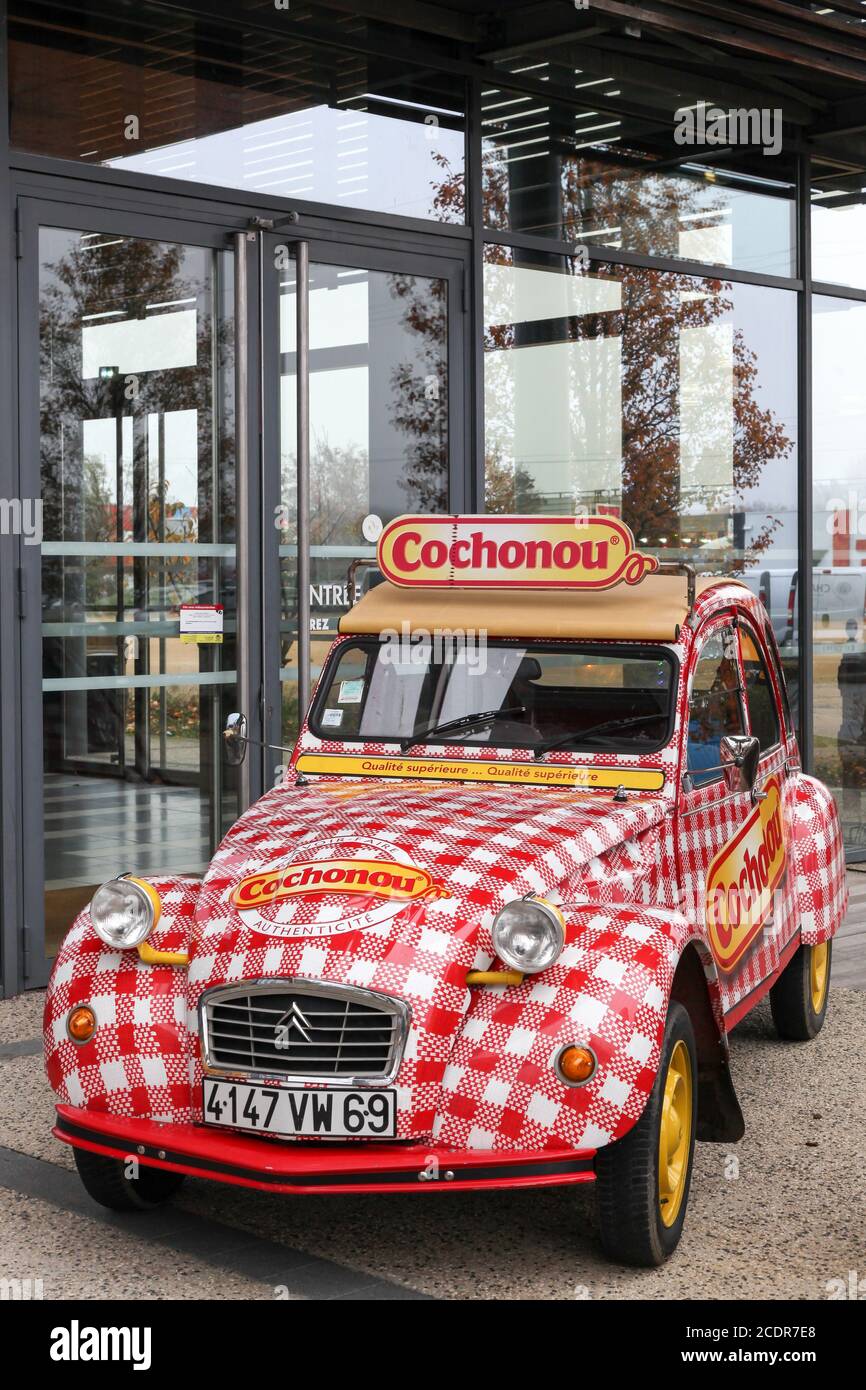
(333, 886)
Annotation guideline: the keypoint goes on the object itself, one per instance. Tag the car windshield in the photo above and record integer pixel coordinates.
(504, 694)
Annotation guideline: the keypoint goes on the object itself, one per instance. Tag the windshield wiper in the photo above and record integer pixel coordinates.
(609, 726)
(466, 721)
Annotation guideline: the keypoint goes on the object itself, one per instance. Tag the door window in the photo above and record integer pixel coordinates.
(715, 706)
(379, 446)
(761, 697)
(138, 492)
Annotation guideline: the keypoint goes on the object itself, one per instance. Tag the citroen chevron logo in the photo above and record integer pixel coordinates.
(292, 1018)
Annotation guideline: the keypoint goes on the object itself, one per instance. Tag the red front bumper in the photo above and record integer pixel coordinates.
(225, 1156)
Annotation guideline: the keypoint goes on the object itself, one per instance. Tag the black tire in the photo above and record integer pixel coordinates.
(106, 1181)
(791, 1002)
(627, 1172)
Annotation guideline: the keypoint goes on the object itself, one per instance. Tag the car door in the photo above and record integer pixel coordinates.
(772, 812)
(733, 844)
(710, 812)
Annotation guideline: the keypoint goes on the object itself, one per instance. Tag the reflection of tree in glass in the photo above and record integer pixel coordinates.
(665, 324)
(668, 327)
(605, 195)
(419, 391)
(339, 493)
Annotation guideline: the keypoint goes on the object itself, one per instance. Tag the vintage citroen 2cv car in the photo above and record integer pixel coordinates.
(543, 841)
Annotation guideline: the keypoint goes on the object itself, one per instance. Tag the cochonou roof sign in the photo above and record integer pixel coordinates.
(524, 552)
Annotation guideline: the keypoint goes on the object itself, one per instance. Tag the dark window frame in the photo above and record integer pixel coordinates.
(746, 625)
(639, 650)
(730, 622)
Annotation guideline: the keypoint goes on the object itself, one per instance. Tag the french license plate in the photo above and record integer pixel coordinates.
(314, 1112)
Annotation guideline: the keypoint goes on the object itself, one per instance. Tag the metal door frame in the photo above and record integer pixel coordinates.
(320, 249)
(53, 198)
(33, 213)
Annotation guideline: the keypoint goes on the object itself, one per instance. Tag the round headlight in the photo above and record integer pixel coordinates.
(528, 935)
(124, 912)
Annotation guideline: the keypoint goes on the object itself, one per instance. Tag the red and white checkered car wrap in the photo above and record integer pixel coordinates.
(485, 849)
(138, 1061)
(818, 862)
(477, 1071)
(609, 990)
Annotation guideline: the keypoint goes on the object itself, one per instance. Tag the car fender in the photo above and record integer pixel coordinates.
(138, 1061)
(609, 990)
(817, 861)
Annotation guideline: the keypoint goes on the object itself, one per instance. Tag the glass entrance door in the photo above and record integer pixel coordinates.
(130, 628)
(165, 591)
(385, 426)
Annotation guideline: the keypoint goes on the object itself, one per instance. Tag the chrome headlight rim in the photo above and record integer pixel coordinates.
(554, 919)
(134, 933)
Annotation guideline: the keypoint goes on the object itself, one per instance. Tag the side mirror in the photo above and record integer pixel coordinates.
(235, 739)
(740, 754)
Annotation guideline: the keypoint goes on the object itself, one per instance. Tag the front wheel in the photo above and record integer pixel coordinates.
(798, 999)
(643, 1180)
(107, 1182)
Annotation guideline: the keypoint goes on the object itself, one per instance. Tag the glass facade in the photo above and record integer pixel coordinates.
(667, 400)
(138, 490)
(583, 174)
(143, 92)
(839, 242)
(839, 559)
(636, 345)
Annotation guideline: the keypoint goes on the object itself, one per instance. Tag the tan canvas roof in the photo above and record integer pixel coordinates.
(650, 611)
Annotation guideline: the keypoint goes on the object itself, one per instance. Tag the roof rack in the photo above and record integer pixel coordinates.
(358, 563)
(680, 567)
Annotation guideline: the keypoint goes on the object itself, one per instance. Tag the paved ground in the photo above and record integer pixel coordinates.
(849, 948)
(776, 1216)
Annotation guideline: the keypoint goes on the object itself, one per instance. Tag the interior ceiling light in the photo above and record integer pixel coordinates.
(399, 101)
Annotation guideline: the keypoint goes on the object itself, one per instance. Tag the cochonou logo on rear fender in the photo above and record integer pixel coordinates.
(743, 878)
(333, 886)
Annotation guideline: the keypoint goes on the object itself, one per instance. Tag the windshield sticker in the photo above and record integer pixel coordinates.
(351, 692)
(333, 886)
(332, 718)
(530, 774)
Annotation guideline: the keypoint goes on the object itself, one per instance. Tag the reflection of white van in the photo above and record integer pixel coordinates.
(838, 603)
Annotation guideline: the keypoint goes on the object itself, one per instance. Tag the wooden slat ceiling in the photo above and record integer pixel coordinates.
(193, 71)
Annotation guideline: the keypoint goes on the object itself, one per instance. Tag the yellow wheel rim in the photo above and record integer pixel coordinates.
(819, 972)
(675, 1134)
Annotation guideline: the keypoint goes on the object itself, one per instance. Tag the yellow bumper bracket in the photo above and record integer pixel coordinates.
(494, 977)
(152, 957)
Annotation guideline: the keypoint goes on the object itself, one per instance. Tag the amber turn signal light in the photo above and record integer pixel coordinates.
(81, 1024)
(575, 1065)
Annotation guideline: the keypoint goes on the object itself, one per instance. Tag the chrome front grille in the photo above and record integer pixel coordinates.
(303, 1029)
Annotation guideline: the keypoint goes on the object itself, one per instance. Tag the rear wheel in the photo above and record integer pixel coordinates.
(107, 1183)
(798, 999)
(643, 1180)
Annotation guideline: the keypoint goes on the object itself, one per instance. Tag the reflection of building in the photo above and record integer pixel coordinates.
(524, 295)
